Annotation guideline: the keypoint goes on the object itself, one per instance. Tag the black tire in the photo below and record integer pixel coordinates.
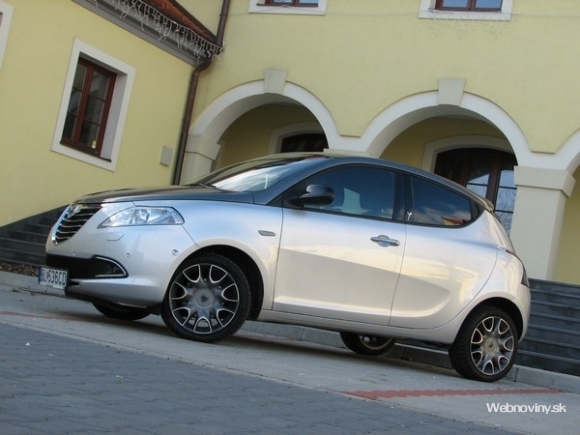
(120, 312)
(208, 299)
(486, 346)
(364, 344)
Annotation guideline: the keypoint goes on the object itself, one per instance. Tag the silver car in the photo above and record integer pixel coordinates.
(372, 249)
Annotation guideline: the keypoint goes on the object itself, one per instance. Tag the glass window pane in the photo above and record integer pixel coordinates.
(74, 102)
(506, 198)
(480, 190)
(94, 110)
(80, 74)
(359, 191)
(436, 205)
(454, 3)
(99, 85)
(488, 4)
(505, 219)
(304, 142)
(69, 125)
(89, 135)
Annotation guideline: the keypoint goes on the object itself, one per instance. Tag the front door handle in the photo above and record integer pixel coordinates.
(383, 240)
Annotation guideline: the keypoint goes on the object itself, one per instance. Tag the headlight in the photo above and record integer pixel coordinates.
(144, 216)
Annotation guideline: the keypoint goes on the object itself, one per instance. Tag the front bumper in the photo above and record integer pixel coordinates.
(129, 266)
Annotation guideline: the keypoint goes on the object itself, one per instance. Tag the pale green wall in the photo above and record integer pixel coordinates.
(34, 178)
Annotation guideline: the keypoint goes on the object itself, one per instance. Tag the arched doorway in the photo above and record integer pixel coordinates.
(487, 172)
(314, 142)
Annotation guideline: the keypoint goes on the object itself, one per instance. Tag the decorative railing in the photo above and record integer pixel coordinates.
(153, 23)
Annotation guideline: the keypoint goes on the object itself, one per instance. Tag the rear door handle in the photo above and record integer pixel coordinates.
(383, 240)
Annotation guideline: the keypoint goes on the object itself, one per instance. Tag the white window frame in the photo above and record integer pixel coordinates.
(117, 112)
(5, 20)
(428, 10)
(258, 7)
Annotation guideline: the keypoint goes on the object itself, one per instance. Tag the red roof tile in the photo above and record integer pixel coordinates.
(174, 11)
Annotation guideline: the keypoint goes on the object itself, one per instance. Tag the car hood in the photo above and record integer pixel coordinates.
(166, 193)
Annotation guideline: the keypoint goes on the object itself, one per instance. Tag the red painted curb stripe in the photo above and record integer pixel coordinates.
(388, 394)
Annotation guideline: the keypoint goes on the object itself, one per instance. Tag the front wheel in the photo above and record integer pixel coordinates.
(121, 313)
(363, 344)
(208, 299)
(486, 346)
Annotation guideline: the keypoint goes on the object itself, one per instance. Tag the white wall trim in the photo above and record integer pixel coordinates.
(6, 11)
(117, 113)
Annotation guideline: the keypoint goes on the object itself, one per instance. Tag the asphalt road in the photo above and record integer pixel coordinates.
(65, 369)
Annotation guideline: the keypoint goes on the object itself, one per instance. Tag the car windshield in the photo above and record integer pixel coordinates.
(256, 175)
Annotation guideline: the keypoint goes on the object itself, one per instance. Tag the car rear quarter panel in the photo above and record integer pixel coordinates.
(443, 271)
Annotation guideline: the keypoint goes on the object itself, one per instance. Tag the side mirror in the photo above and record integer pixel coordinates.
(314, 194)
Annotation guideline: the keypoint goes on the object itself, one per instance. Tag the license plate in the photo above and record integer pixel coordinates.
(56, 278)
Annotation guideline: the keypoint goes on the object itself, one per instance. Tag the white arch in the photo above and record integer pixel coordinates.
(409, 111)
(222, 112)
(385, 127)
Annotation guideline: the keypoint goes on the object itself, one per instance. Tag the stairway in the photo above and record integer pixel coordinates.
(23, 242)
(553, 338)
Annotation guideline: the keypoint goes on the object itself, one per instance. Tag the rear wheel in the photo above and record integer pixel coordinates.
(364, 344)
(485, 347)
(208, 299)
(122, 313)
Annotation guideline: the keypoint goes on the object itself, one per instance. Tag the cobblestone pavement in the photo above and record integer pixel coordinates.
(52, 384)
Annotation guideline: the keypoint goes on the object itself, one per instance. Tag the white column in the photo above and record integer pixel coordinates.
(538, 215)
(200, 155)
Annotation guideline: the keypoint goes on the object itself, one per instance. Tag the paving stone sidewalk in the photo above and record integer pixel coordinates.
(50, 384)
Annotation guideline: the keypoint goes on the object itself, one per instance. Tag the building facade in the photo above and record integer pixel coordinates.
(482, 92)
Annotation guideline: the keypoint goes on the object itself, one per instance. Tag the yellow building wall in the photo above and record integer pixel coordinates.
(409, 146)
(34, 178)
(205, 11)
(249, 136)
(362, 56)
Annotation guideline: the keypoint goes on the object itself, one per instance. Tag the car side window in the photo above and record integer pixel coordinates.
(359, 191)
(432, 204)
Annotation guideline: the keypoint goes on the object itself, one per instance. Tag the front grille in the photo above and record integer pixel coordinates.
(87, 268)
(72, 220)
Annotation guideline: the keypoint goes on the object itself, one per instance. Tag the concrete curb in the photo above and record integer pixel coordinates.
(403, 351)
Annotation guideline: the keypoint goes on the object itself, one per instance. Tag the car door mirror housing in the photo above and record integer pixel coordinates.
(314, 194)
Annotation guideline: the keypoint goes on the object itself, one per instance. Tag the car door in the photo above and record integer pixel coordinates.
(448, 257)
(342, 260)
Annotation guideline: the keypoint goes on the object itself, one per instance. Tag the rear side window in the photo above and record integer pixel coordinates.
(432, 204)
